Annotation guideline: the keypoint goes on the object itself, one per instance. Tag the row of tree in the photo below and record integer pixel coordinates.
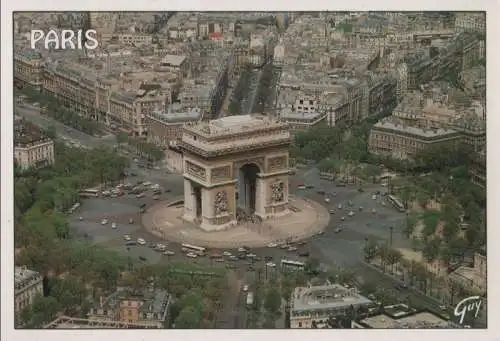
(141, 147)
(240, 90)
(265, 88)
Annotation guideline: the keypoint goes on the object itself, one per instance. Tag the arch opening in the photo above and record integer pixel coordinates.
(247, 187)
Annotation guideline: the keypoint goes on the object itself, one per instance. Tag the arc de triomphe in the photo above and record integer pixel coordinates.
(235, 164)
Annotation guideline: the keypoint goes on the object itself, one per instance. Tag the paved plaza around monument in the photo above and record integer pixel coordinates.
(305, 219)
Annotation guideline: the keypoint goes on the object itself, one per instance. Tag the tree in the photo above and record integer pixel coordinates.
(42, 311)
(370, 249)
(411, 221)
(432, 248)
(312, 266)
(272, 302)
(393, 257)
(430, 220)
(121, 137)
(189, 318)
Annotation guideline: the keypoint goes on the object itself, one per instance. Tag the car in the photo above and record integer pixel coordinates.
(169, 253)
(251, 255)
(321, 192)
(152, 245)
(351, 213)
(227, 253)
(309, 186)
(327, 199)
(271, 245)
(161, 247)
(304, 254)
(332, 211)
(271, 264)
(233, 258)
(268, 258)
(292, 249)
(81, 218)
(242, 256)
(140, 195)
(230, 266)
(141, 241)
(338, 229)
(320, 233)
(339, 206)
(219, 260)
(131, 220)
(301, 187)
(113, 225)
(251, 268)
(127, 237)
(147, 183)
(343, 218)
(136, 160)
(245, 288)
(284, 246)
(133, 174)
(104, 221)
(257, 259)
(156, 197)
(192, 255)
(168, 190)
(143, 259)
(374, 211)
(131, 243)
(302, 243)
(242, 249)
(374, 197)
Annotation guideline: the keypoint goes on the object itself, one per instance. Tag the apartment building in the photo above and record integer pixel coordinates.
(31, 147)
(28, 69)
(392, 137)
(470, 22)
(474, 277)
(165, 128)
(148, 307)
(400, 316)
(28, 284)
(318, 303)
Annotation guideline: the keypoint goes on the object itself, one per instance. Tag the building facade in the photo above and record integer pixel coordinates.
(148, 308)
(28, 285)
(318, 303)
(28, 69)
(477, 168)
(31, 147)
(392, 138)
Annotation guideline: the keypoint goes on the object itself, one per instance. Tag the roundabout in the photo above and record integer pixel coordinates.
(305, 219)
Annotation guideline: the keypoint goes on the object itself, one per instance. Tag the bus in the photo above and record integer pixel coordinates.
(396, 203)
(198, 250)
(89, 193)
(291, 265)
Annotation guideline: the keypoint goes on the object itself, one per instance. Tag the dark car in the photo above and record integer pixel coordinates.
(304, 254)
(143, 259)
(131, 243)
(321, 192)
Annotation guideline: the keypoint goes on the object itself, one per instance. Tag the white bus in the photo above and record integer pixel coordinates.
(89, 193)
(396, 203)
(291, 265)
(198, 250)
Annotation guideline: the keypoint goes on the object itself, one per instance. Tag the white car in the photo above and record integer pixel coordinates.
(327, 199)
(104, 221)
(141, 241)
(339, 206)
(127, 237)
(271, 265)
(374, 211)
(351, 214)
(251, 255)
(192, 255)
(292, 249)
(245, 288)
(332, 211)
(242, 249)
(169, 253)
(161, 247)
(343, 218)
(147, 183)
(374, 197)
(113, 225)
(272, 245)
(226, 253)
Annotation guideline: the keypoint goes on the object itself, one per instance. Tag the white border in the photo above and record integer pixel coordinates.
(7, 238)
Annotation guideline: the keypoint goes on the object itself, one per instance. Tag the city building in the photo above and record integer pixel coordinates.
(470, 22)
(28, 284)
(473, 82)
(318, 303)
(303, 114)
(66, 322)
(28, 68)
(235, 165)
(148, 308)
(165, 128)
(477, 168)
(400, 316)
(32, 148)
(393, 137)
(473, 278)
